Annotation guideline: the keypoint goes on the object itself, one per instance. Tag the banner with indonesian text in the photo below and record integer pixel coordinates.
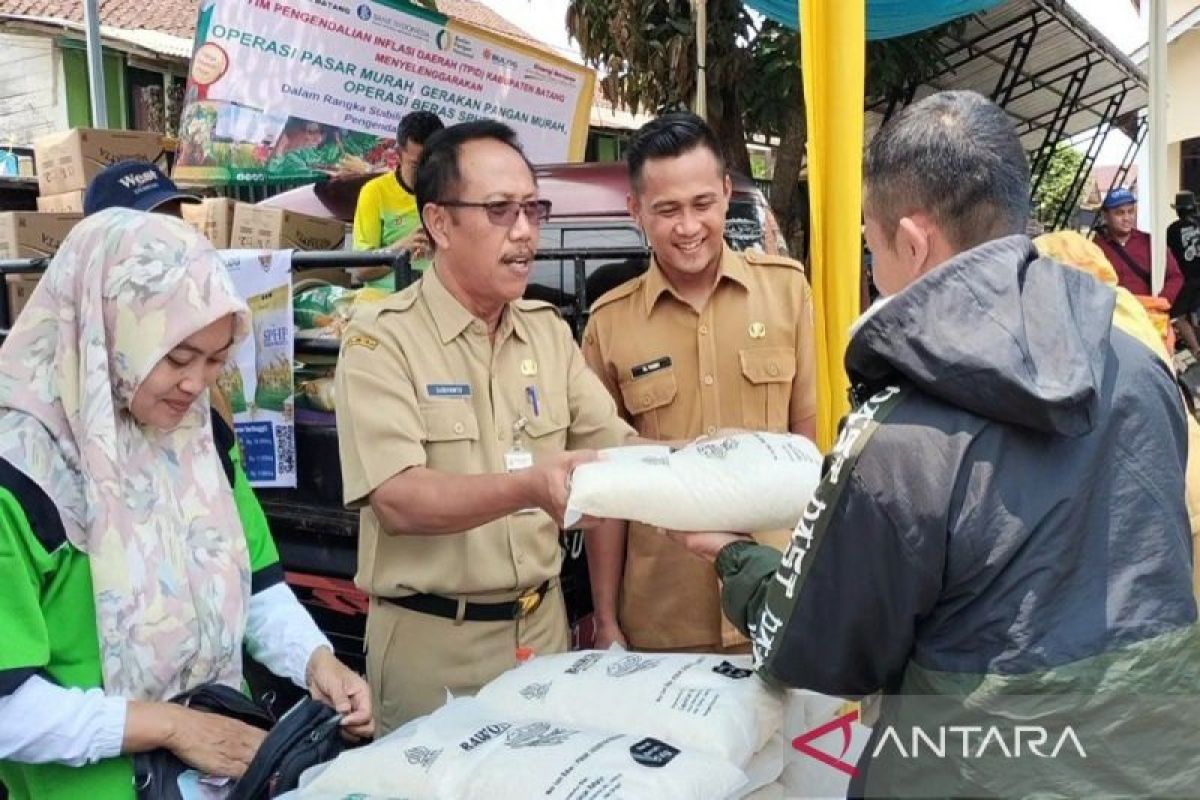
(284, 90)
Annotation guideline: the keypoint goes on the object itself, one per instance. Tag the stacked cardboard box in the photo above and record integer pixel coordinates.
(263, 227)
(33, 234)
(29, 234)
(213, 217)
(67, 161)
(62, 203)
(20, 289)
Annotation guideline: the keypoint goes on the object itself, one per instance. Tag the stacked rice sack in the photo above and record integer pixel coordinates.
(584, 725)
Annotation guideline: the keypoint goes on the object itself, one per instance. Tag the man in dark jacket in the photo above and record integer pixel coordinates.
(999, 545)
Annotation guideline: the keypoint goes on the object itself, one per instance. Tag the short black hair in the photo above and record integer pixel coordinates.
(417, 127)
(957, 157)
(438, 176)
(668, 136)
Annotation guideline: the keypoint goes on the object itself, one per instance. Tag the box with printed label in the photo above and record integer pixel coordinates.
(65, 203)
(266, 228)
(280, 229)
(213, 217)
(33, 234)
(67, 161)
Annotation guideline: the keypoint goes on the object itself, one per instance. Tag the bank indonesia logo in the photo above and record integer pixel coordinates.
(364, 12)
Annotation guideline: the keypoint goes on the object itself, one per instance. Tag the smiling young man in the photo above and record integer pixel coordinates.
(708, 338)
(461, 404)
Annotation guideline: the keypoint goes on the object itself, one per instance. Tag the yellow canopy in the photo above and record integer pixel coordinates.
(833, 44)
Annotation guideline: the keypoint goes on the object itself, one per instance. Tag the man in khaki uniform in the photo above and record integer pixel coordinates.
(457, 402)
(706, 339)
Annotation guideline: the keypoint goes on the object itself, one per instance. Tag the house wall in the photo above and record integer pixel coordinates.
(1177, 8)
(1183, 101)
(32, 98)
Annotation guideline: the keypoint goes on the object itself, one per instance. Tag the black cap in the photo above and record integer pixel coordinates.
(132, 184)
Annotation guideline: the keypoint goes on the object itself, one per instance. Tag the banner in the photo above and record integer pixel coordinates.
(258, 379)
(296, 89)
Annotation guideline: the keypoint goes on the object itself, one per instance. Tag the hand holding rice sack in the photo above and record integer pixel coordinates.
(132, 572)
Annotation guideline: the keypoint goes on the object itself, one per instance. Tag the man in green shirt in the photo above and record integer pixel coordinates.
(387, 216)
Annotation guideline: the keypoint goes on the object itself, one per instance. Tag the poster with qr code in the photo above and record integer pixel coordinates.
(258, 379)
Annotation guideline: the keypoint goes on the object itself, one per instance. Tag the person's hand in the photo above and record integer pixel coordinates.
(550, 480)
(708, 545)
(608, 633)
(333, 683)
(416, 243)
(211, 743)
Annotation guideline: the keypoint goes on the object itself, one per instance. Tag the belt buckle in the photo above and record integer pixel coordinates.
(528, 602)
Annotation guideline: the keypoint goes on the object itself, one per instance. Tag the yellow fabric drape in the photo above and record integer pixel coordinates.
(832, 52)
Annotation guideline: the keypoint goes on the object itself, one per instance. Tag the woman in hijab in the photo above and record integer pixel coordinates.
(127, 575)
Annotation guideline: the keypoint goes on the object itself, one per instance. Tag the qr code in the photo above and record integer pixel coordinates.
(285, 450)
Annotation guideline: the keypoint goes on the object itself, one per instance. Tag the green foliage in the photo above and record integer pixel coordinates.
(1056, 182)
(645, 50)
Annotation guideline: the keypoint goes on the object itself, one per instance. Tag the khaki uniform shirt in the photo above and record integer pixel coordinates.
(745, 361)
(419, 383)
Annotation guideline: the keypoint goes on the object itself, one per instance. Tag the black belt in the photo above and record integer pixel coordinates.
(447, 607)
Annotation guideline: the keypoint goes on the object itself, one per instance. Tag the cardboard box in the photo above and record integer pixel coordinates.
(65, 203)
(20, 288)
(33, 234)
(213, 217)
(279, 229)
(67, 161)
(263, 227)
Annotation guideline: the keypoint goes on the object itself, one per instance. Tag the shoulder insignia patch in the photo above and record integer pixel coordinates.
(757, 258)
(361, 340)
(624, 290)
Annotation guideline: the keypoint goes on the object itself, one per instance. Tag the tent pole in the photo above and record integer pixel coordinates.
(1159, 190)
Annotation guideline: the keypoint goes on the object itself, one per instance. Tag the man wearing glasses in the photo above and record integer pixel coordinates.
(465, 410)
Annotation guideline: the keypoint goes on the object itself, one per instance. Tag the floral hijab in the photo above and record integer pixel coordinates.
(151, 508)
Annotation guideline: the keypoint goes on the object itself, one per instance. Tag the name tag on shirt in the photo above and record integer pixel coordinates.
(448, 389)
(641, 370)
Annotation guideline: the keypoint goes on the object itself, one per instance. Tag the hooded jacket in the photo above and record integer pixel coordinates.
(1000, 536)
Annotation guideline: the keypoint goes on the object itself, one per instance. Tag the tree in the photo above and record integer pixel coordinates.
(1056, 183)
(645, 50)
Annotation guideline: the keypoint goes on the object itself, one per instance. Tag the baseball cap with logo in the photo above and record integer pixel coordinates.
(132, 184)
(1117, 198)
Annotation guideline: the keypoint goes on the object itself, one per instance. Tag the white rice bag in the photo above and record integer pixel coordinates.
(394, 766)
(745, 482)
(692, 700)
(468, 752)
(765, 766)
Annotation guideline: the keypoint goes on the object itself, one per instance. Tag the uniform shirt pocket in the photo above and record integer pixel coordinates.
(547, 431)
(644, 398)
(449, 421)
(767, 388)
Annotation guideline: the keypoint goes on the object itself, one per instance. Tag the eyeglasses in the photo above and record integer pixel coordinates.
(504, 212)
